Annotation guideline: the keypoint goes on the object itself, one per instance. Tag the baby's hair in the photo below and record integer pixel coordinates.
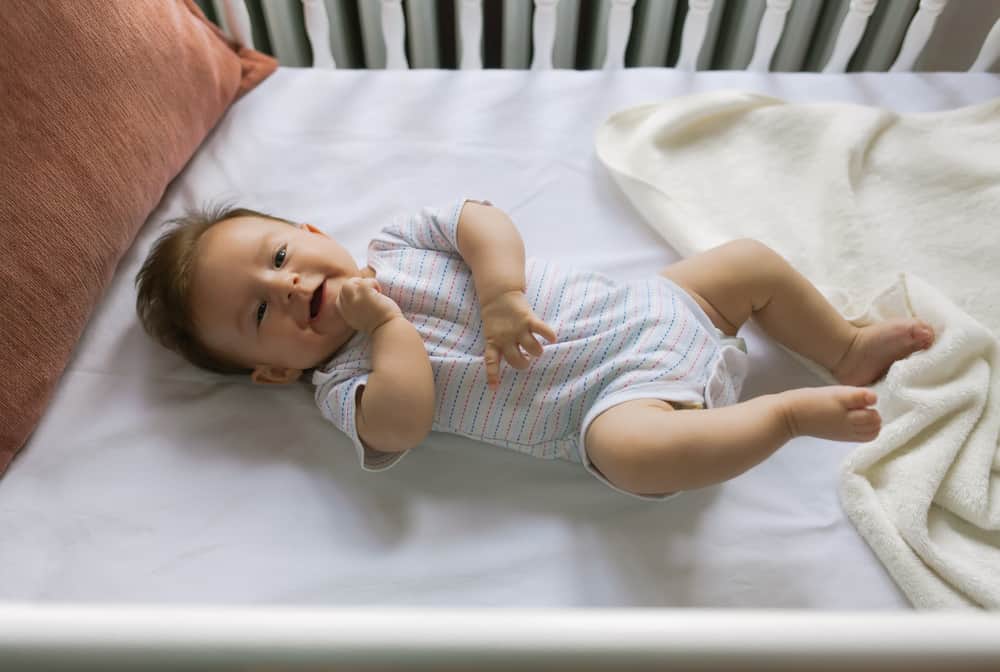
(164, 285)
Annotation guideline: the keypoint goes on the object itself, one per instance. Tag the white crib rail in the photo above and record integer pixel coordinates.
(385, 32)
(118, 637)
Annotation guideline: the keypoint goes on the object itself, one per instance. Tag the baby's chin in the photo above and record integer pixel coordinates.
(333, 350)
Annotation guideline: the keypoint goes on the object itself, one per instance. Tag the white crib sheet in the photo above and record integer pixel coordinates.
(150, 481)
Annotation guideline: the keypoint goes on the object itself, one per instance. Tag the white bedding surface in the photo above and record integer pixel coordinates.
(151, 481)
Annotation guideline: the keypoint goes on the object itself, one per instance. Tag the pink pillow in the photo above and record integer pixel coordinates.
(102, 102)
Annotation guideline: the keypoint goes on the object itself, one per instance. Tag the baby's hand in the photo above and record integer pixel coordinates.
(363, 305)
(508, 322)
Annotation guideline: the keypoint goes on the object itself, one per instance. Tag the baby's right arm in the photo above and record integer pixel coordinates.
(395, 410)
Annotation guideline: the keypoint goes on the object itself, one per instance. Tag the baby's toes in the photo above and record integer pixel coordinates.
(856, 397)
(922, 334)
(865, 423)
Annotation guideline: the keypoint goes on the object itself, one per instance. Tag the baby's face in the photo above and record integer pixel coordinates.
(264, 294)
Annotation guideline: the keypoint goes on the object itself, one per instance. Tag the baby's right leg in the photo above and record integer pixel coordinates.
(647, 447)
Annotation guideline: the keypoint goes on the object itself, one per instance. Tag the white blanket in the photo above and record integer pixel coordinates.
(889, 215)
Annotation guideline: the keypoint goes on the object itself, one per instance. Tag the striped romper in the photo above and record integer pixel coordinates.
(616, 341)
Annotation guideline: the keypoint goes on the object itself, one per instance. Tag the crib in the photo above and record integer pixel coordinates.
(463, 557)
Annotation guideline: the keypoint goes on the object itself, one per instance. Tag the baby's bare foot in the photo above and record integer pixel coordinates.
(878, 345)
(837, 412)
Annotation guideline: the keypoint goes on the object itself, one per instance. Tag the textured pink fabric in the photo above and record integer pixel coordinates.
(102, 102)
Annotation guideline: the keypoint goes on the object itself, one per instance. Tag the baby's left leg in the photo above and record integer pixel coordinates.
(645, 447)
(745, 278)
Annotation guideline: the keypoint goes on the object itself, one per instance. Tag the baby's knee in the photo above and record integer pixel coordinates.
(754, 253)
(620, 470)
(640, 470)
(626, 445)
(758, 262)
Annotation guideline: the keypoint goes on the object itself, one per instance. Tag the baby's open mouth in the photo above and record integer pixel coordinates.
(317, 301)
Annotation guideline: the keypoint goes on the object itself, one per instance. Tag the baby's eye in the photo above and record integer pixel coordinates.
(261, 309)
(279, 256)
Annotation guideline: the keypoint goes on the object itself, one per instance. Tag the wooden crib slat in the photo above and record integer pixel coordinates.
(793, 47)
(285, 32)
(693, 35)
(516, 28)
(543, 34)
(881, 43)
(393, 33)
(990, 51)
(567, 21)
(850, 34)
(651, 28)
(421, 17)
(593, 34)
(470, 29)
(372, 41)
(318, 30)
(385, 32)
(734, 41)
(619, 29)
(917, 34)
(238, 20)
(772, 24)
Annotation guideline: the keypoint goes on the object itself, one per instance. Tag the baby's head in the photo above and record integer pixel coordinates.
(238, 291)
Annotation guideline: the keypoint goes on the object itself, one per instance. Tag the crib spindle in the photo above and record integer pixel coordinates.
(917, 34)
(652, 39)
(471, 32)
(515, 49)
(619, 28)
(693, 36)
(990, 51)
(238, 21)
(543, 34)
(393, 33)
(768, 34)
(850, 34)
(318, 32)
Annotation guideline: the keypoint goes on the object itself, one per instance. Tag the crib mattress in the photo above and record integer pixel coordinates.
(149, 481)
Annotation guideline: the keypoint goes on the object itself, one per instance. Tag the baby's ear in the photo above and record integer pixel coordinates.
(312, 229)
(264, 374)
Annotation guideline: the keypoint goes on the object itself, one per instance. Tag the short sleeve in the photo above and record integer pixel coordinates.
(429, 229)
(336, 391)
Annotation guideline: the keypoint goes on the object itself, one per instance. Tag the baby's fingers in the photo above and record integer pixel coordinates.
(544, 330)
(531, 345)
(492, 358)
(515, 357)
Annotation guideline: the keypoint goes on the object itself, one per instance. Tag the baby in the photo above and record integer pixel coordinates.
(637, 381)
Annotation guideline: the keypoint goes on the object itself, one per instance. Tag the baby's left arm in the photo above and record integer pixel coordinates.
(492, 247)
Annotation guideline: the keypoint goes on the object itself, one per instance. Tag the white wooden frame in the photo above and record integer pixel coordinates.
(544, 26)
(268, 638)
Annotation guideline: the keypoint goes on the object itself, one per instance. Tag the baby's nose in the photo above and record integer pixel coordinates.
(295, 288)
(297, 299)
